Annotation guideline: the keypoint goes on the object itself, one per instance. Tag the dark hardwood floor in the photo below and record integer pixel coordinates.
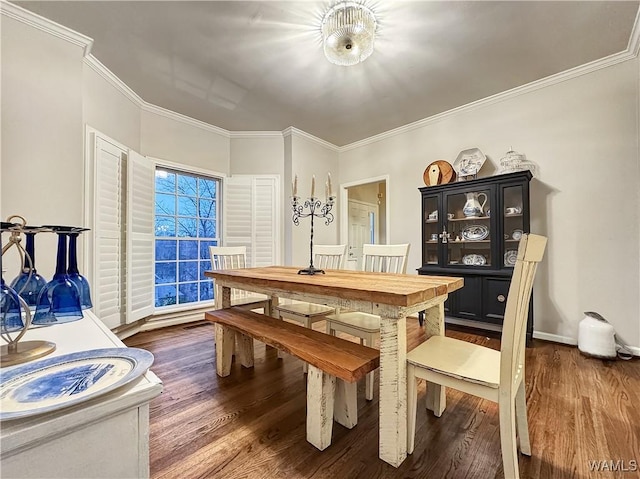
(252, 423)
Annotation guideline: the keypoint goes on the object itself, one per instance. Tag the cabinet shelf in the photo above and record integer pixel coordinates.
(470, 242)
(472, 218)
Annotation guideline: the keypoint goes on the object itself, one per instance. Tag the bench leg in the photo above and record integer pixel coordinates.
(345, 409)
(245, 350)
(225, 338)
(320, 397)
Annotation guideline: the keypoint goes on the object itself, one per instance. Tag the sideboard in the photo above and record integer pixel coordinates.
(107, 436)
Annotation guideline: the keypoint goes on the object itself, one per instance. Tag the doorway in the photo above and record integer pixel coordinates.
(363, 217)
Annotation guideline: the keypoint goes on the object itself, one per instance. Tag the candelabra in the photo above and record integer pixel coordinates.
(316, 209)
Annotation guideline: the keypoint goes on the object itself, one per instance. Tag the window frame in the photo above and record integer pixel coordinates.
(189, 170)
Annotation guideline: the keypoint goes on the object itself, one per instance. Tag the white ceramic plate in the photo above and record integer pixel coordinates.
(510, 257)
(475, 232)
(517, 234)
(59, 382)
(469, 162)
(474, 260)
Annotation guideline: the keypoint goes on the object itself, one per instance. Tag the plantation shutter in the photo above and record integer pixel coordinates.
(108, 233)
(140, 237)
(251, 217)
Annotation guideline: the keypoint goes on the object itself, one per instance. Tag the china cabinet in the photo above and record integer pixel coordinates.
(471, 229)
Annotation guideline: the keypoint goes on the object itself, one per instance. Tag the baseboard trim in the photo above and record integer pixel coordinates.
(555, 338)
(152, 324)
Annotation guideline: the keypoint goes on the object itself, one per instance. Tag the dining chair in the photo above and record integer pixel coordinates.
(233, 257)
(324, 257)
(494, 375)
(377, 258)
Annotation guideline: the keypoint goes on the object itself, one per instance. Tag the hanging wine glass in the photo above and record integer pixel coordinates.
(59, 302)
(74, 275)
(11, 318)
(28, 284)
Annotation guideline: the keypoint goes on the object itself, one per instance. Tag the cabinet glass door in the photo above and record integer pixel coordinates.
(430, 246)
(468, 228)
(513, 222)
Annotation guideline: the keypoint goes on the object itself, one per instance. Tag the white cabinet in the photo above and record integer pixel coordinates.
(107, 436)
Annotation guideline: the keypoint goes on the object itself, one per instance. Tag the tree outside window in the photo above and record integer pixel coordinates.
(186, 224)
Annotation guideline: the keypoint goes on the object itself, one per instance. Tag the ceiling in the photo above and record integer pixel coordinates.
(259, 66)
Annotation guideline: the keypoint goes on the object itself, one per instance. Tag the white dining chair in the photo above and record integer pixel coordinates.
(494, 375)
(378, 258)
(233, 257)
(324, 257)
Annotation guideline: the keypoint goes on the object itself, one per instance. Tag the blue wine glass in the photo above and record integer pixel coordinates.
(10, 311)
(29, 284)
(59, 302)
(74, 275)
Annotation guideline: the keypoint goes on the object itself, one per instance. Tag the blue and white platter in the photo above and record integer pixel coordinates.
(59, 382)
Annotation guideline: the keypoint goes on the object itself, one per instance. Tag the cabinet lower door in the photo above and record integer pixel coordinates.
(467, 300)
(494, 299)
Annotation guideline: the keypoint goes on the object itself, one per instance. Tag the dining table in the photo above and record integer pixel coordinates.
(390, 296)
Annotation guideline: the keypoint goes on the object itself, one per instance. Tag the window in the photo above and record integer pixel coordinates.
(186, 224)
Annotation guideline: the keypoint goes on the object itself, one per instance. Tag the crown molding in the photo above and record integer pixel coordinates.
(48, 26)
(634, 39)
(179, 117)
(291, 131)
(255, 134)
(97, 66)
(630, 53)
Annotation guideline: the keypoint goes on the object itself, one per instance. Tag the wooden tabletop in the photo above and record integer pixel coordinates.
(387, 288)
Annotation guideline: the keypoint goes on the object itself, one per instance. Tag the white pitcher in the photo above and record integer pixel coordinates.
(473, 207)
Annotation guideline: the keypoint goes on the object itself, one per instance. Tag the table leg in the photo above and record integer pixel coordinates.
(393, 390)
(434, 326)
(273, 302)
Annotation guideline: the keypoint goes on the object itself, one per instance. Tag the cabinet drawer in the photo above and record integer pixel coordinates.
(495, 292)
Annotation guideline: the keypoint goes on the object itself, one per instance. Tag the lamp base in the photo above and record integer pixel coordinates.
(311, 270)
(25, 351)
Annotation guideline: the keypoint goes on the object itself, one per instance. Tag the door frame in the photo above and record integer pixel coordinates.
(344, 205)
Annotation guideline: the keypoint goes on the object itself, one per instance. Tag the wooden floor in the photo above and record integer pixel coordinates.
(252, 423)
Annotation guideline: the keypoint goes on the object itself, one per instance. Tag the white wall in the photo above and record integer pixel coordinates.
(583, 133)
(180, 142)
(42, 134)
(108, 110)
(308, 158)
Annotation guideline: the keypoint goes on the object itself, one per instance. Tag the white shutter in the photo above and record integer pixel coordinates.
(140, 237)
(251, 217)
(107, 230)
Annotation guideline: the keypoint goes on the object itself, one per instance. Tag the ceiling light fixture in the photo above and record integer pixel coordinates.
(348, 31)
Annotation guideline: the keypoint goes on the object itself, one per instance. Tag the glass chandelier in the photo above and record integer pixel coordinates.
(348, 31)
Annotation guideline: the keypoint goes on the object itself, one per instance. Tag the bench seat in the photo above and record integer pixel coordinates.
(335, 364)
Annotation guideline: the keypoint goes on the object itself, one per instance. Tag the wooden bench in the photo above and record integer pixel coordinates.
(335, 364)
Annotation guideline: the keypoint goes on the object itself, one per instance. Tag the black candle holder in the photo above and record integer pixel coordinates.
(316, 209)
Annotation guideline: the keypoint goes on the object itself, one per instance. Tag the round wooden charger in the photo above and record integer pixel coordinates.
(446, 173)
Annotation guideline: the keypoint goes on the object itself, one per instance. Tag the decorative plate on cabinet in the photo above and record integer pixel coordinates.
(469, 162)
(517, 234)
(475, 232)
(510, 257)
(63, 381)
(474, 260)
(440, 172)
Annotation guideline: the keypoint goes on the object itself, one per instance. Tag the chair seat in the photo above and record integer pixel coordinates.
(305, 309)
(458, 359)
(249, 299)
(367, 323)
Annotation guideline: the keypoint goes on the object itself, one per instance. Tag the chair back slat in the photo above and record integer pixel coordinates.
(530, 253)
(383, 258)
(229, 257)
(329, 256)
